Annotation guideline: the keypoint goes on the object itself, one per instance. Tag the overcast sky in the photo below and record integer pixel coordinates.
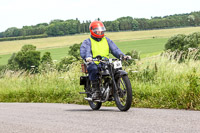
(18, 13)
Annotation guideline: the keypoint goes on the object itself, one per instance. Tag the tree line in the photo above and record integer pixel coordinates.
(68, 27)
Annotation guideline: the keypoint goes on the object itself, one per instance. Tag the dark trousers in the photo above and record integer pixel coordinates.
(93, 71)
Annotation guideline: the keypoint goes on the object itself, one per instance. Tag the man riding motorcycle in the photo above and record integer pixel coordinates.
(96, 45)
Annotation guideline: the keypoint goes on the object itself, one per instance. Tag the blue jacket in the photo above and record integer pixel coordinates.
(85, 49)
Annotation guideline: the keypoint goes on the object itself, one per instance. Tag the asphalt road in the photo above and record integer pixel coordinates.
(64, 118)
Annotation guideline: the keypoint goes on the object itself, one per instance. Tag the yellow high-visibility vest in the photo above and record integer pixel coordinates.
(100, 48)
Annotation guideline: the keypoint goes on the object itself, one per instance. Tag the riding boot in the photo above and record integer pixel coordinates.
(95, 90)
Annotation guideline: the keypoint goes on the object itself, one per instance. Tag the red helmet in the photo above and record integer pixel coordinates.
(97, 29)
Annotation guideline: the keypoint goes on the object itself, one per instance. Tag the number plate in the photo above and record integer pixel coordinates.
(117, 64)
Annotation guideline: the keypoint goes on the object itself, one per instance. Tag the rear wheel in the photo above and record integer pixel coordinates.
(123, 95)
(94, 105)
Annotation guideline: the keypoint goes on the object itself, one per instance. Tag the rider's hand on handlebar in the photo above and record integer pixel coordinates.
(126, 57)
(89, 59)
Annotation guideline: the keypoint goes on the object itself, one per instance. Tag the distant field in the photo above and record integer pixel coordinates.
(148, 42)
(4, 59)
(146, 47)
(8, 47)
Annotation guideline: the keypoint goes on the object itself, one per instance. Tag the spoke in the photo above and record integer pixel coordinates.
(122, 92)
(123, 100)
(122, 84)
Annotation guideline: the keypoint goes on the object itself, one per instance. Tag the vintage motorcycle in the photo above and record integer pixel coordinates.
(114, 84)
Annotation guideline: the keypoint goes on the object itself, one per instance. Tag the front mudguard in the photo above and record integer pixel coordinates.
(119, 74)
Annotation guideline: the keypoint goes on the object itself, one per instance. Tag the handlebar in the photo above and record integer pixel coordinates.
(107, 60)
(114, 59)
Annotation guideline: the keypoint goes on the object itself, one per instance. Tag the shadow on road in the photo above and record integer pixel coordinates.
(89, 110)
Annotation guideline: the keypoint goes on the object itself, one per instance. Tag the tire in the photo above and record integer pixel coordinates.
(95, 105)
(123, 95)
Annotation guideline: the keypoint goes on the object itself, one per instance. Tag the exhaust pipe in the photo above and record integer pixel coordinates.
(88, 98)
(102, 101)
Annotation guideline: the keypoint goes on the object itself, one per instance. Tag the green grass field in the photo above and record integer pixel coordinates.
(148, 42)
(145, 47)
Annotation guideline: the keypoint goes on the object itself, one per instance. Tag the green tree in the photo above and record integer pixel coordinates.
(125, 23)
(135, 24)
(11, 32)
(143, 23)
(115, 25)
(28, 58)
(54, 29)
(56, 21)
(82, 27)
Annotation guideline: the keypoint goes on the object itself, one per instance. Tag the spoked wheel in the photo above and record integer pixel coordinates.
(95, 105)
(123, 96)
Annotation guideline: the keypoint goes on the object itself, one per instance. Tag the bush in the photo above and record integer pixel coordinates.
(12, 64)
(176, 42)
(134, 55)
(46, 58)
(28, 58)
(183, 42)
(63, 65)
(2, 67)
(28, 47)
(46, 62)
(2, 70)
(23, 37)
(74, 51)
(192, 41)
(182, 47)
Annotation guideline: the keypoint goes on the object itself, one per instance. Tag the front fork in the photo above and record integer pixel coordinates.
(119, 74)
(115, 90)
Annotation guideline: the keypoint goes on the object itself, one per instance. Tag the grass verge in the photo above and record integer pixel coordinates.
(156, 82)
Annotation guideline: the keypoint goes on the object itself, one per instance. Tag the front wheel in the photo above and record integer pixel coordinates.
(123, 93)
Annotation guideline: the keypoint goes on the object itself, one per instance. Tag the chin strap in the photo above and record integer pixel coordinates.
(96, 39)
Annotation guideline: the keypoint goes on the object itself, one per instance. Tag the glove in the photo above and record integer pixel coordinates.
(127, 57)
(89, 59)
